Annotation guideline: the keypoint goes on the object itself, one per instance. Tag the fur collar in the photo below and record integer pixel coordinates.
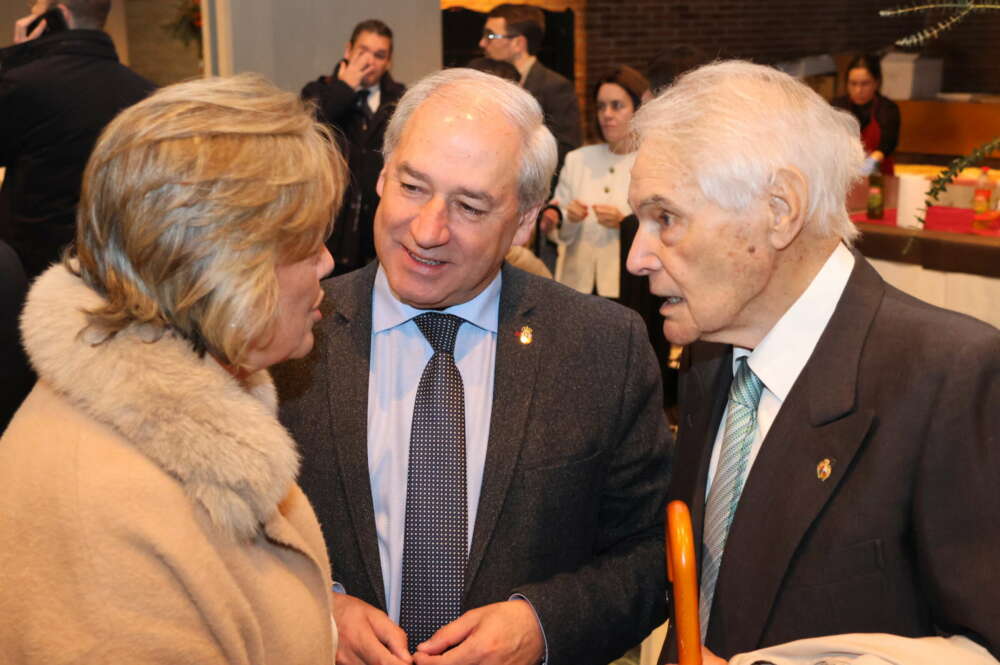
(187, 414)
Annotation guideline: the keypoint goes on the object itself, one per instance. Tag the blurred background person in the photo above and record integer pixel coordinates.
(147, 464)
(519, 256)
(877, 115)
(60, 84)
(357, 100)
(592, 193)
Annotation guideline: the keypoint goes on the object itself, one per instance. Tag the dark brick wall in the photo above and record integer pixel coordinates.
(971, 53)
(768, 31)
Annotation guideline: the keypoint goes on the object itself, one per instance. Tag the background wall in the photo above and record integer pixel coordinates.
(294, 42)
(155, 52)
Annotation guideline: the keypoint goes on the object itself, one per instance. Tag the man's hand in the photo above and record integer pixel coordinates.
(21, 29)
(709, 658)
(549, 219)
(576, 210)
(353, 72)
(367, 634)
(608, 216)
(504, 633)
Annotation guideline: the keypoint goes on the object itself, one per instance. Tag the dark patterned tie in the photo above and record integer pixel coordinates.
(434, 544)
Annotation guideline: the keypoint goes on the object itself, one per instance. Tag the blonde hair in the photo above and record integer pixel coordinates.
(190, 201)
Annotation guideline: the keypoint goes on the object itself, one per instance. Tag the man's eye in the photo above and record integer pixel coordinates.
(664, 219)
(470, 210)
(409, 187)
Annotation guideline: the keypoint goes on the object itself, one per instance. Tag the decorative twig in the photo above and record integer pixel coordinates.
(947, 176)
(961, 9)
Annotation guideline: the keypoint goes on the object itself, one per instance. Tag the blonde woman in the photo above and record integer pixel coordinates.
(150, 510)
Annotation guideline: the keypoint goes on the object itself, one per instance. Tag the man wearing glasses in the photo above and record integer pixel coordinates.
(513, 33)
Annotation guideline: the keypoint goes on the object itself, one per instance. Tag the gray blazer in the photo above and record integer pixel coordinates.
(903, 399)
(570, 513)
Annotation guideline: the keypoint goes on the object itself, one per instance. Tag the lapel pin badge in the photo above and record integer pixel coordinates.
(824, 468)
(525, 335)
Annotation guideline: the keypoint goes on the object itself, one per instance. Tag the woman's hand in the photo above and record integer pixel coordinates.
(608, 216)
(576, 211)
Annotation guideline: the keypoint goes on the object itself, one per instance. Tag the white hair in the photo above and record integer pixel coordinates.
(471, 88)
(731, 126)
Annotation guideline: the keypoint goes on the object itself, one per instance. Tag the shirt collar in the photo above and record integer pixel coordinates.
(779, 358)
(483, 311)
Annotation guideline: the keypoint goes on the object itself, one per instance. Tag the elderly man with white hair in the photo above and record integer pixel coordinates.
(839, 443)
(486, 449)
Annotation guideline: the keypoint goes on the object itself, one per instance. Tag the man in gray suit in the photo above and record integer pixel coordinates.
(562, 450)
(838, 443)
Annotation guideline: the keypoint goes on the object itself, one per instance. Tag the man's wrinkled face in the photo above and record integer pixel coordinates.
(449, 210)
(709, 264)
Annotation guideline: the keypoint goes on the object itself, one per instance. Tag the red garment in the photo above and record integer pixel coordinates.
(871, 136)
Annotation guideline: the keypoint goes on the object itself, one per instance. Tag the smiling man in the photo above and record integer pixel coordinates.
(838, 438)
(485, 449)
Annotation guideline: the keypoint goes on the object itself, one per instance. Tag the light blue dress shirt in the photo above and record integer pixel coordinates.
(399, 353)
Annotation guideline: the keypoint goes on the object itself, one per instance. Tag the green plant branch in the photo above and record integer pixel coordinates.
(899, 11)
(947, 176)
(961, 9)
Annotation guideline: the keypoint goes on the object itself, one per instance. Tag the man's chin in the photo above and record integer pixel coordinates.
(679, 334)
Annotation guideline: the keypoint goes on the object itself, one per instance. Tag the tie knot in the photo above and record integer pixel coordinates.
(747, 387)
(440, 330)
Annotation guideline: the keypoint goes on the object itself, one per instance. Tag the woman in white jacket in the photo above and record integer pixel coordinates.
(592, 193)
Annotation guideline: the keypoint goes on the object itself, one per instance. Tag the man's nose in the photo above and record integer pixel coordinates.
(642, 257)
(430, 227)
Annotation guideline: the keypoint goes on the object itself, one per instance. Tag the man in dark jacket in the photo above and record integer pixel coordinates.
(356, 100)
(57, 92)
(514, 33)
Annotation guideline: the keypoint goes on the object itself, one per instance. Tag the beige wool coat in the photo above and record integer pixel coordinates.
(148, 506)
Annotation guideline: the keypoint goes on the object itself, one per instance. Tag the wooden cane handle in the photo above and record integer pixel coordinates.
(683, 572)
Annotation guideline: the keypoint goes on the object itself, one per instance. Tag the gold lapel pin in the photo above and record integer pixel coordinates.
(824, 469)
(524, 335)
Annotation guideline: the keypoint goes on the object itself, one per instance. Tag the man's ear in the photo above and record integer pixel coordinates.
(522, 44)
(788, 198)
(380, 183)
(67, 16)
(347, 51)
(525, 225)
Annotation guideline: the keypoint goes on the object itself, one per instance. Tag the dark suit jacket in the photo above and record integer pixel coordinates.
(18, 377)
(56, 95)
(570, 513)
(904, 399)
(360, 139)
(557, 97)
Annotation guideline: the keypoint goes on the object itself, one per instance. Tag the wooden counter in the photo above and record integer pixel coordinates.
(934, 127)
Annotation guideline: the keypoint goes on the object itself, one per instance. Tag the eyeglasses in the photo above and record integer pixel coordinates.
(490, 35)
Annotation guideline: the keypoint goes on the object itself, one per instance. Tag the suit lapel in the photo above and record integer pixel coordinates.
(784, 492)
(346, 372)
(516, 368)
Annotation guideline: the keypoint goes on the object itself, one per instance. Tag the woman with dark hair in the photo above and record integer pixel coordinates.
(592, 194)
(877, 115)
